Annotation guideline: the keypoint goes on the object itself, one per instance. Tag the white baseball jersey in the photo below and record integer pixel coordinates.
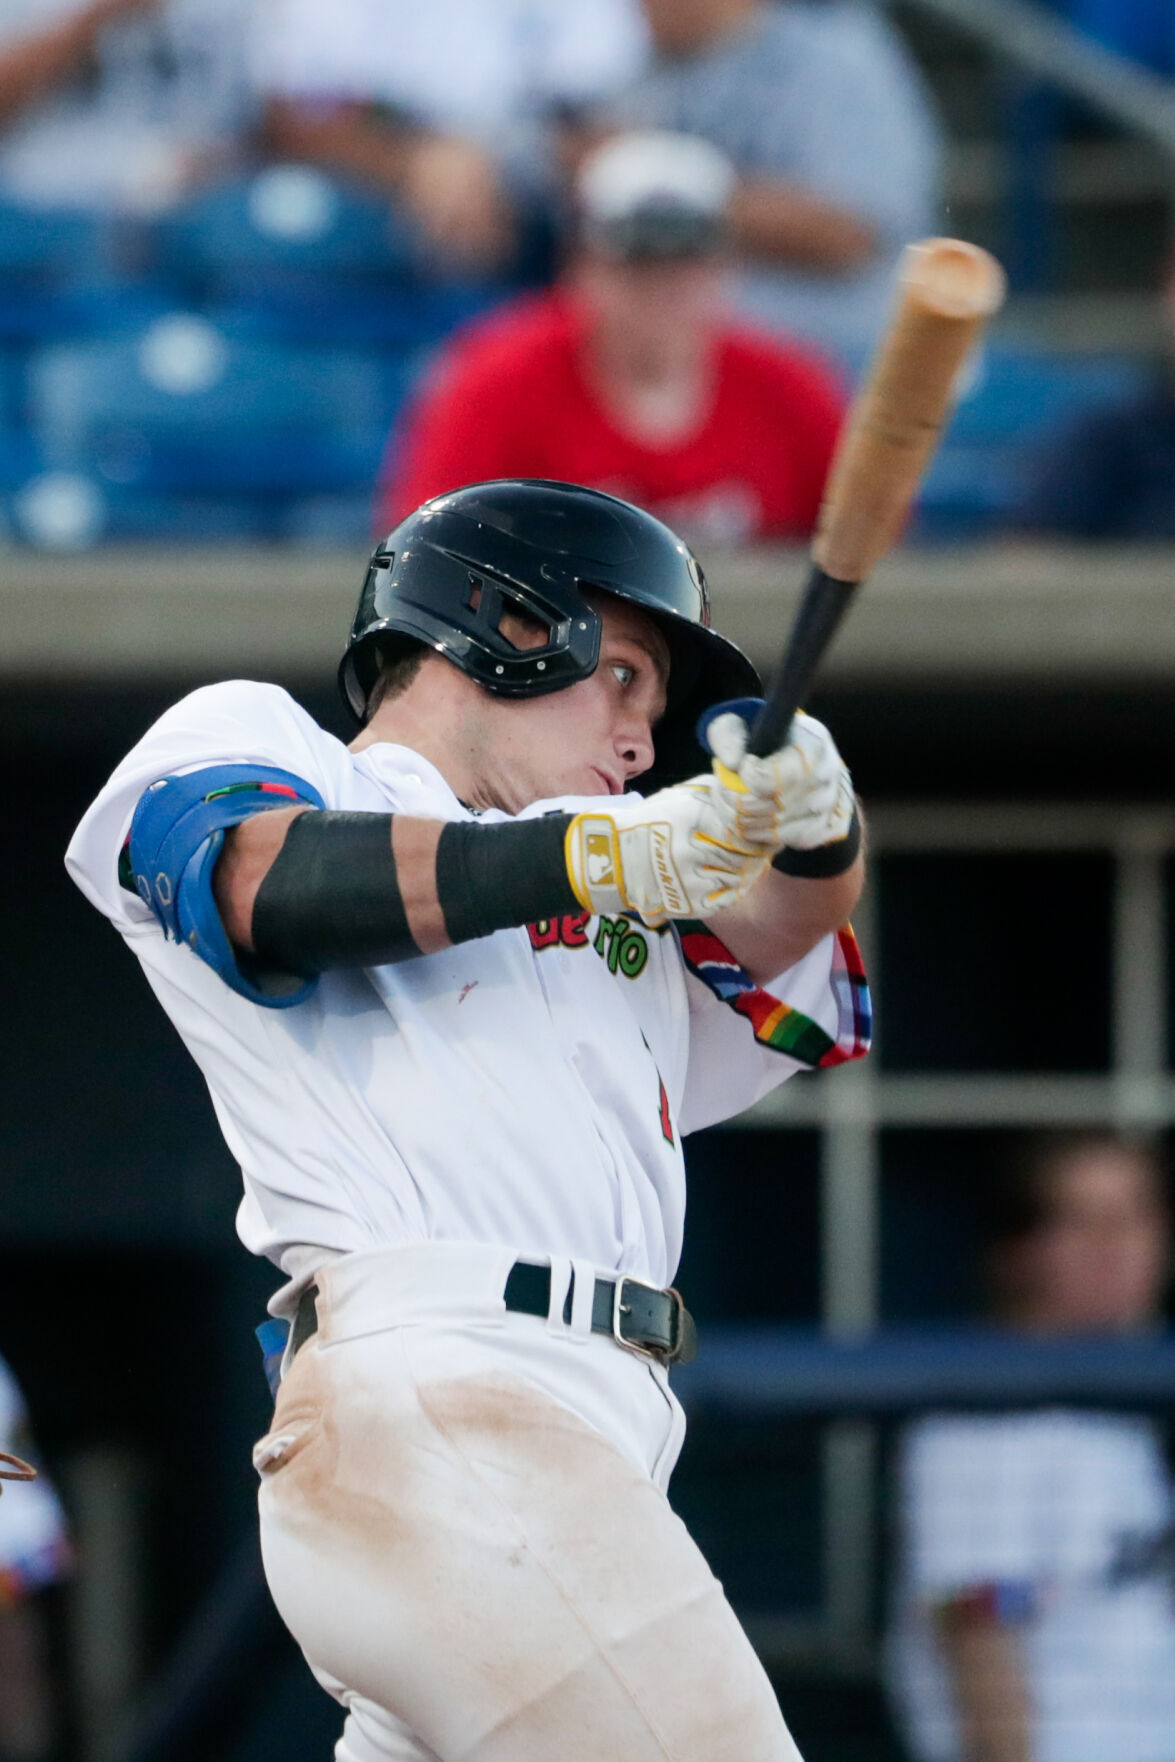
(1062, 1521)
(33, 1546)
(529, 1089)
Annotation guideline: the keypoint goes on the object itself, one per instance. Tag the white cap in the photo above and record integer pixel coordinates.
(655, 194)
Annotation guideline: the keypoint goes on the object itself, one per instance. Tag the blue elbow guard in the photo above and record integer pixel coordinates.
(176, 836)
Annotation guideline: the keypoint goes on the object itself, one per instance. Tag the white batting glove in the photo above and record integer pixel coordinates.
(675, 855)
(798, 798)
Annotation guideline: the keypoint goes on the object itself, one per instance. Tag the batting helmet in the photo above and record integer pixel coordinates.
(446, 575)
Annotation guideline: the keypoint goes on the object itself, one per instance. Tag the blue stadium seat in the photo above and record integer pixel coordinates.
(181, 408)
(59, 277)
(1143, 30)
(1018, 402)
(66, 511)
(391, 317)
(291, 254)
(50, 242)
(288, 223)
(20, 457)
(32, 314)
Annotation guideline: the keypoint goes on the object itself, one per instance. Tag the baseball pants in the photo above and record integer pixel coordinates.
(464, 1525)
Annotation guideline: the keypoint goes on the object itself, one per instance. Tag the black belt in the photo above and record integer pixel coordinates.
(653, 1323)
(649, 1321)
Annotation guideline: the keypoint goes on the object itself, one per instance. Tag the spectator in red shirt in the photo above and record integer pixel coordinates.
(631, 377)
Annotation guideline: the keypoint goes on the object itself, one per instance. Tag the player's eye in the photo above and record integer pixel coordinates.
(623, 672)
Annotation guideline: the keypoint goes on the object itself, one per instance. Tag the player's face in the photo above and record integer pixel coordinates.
(1099, 1260)
(594, 737)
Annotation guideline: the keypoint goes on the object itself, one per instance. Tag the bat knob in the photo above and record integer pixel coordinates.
(745, 707)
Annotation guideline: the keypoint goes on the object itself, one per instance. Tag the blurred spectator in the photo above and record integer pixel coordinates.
(1112, 476)
(119, 105)
(1035, 1612)
(823, 114)
(33, 1554)
(448, 106)
(631, 377)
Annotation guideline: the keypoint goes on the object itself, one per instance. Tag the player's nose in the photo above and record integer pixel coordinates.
(634, 747)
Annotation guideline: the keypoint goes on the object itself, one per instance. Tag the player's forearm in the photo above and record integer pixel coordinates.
(306, 891)
(344, 138)
(782, 224)
(783, 917)
(990, 1689)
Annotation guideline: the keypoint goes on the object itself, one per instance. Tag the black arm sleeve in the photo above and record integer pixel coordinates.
(332, 897)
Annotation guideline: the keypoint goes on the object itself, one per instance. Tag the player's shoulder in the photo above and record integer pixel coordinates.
(236, 721)
(244, 701)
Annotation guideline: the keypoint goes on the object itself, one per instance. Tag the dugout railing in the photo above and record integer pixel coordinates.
(766, 1404)
(853, 1107)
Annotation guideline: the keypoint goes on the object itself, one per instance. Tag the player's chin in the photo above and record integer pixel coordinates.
(604, 781)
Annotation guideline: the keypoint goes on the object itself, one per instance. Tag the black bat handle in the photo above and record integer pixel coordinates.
(821, 609)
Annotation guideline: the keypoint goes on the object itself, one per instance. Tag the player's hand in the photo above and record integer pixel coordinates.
(676, 854)
(798, 798)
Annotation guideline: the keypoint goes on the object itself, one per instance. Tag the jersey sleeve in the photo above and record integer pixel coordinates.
(34, 1549)
(238, 723)
(746, 1039)
(975, 1514)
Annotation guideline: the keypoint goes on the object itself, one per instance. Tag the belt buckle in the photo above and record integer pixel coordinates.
(658, 1354)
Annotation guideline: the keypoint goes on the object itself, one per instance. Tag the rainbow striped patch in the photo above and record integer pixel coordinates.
(775, 1023)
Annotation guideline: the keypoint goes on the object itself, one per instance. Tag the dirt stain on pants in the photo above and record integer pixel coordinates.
(483, 1577)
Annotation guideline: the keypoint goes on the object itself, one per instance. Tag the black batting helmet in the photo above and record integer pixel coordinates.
(446, 575)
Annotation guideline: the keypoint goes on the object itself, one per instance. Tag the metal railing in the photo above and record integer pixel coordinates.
(851, 1107)
(1040, 43)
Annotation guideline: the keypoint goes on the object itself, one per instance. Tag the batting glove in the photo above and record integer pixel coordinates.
(798, 798)
(677, 854)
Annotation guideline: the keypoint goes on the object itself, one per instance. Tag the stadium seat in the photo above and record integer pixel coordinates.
(291, 254)
(60, 277)
(1016, 404)
(288, 223)
(392, 317)
(50, 242)
(64, 511)
(179, 408)
(20, 457)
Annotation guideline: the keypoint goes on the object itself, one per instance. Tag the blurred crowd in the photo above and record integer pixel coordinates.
(241, 245)
(643, 243)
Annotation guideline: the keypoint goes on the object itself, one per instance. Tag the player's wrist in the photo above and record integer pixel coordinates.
(823, 862)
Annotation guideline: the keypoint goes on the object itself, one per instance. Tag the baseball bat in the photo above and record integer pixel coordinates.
(947, 290)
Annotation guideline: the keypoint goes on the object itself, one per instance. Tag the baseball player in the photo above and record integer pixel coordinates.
(458, 993)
